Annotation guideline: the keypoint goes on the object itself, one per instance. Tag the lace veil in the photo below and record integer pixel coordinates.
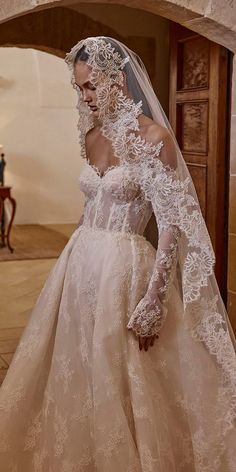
(166, 180)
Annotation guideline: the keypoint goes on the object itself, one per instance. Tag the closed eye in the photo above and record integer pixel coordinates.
(87, 84)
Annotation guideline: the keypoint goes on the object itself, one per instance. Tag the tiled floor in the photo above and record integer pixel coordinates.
(20, 284)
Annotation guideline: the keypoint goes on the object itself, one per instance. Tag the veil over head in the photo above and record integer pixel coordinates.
(165, 179)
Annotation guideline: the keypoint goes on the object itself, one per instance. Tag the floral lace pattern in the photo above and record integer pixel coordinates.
(89, 400)
(184, 242)
(79, 396)
(171, 197)
(150, 313)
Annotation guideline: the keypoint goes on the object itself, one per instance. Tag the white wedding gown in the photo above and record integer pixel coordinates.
(79, 395)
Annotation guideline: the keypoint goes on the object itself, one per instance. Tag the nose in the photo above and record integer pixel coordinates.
(86, 96)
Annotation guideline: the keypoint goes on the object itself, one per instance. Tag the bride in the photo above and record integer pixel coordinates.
(127, 363)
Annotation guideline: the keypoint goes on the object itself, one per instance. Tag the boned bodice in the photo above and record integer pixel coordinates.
(114, 201)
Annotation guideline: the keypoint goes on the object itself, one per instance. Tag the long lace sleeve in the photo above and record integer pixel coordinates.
(150, 313)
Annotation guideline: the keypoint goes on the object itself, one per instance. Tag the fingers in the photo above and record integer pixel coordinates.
(140, 343)
(145, 342)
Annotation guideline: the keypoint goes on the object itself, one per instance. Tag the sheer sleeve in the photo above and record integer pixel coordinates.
(150, 313)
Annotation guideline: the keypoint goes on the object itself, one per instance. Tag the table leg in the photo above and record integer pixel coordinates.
(13, 203)
(2, 221)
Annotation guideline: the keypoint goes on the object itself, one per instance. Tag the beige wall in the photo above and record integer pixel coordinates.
(38, 131)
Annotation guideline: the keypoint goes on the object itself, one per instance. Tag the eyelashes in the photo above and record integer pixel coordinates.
(78, 88)
(91, 87)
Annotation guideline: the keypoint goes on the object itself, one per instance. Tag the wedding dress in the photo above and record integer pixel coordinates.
(79, 395)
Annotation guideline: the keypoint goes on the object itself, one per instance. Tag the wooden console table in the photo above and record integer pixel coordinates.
(5, 192)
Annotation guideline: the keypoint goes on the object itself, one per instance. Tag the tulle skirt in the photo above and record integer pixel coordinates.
(80, 396)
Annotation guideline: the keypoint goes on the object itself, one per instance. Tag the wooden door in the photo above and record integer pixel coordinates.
(198, 115)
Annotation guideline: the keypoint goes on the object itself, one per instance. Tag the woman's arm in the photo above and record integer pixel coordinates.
(150, 313)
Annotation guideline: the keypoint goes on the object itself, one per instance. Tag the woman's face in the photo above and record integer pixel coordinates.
(81, 73)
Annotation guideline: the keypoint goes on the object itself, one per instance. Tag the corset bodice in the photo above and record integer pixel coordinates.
(114, 201)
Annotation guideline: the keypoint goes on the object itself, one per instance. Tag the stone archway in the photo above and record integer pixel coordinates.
(44, 30)
(55, 31)
(211, 18)
(208, 17)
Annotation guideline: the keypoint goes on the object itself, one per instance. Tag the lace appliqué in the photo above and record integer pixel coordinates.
(150, 313)
(174, 205)
(172, 200)
(184, 242)
(146, 321)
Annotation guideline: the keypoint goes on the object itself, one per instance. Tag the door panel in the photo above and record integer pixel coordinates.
(198, 115)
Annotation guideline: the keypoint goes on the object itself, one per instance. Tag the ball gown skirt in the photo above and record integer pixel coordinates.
(80, 396)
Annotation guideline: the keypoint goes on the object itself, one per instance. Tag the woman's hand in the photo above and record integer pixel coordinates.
(146, 341)
(147, 319)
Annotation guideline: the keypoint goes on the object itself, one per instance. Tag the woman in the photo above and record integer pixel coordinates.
(127, 363)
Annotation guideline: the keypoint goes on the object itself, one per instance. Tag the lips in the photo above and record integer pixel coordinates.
(93, 108)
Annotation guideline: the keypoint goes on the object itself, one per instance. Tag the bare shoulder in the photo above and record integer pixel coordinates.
(155, 133)
(91, 140)
(92, 135)
(152, 131)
